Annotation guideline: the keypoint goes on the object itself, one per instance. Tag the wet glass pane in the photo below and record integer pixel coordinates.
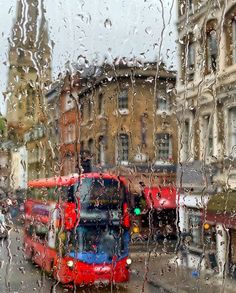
(117, 146)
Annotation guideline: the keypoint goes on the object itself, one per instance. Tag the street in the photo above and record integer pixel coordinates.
(18, 275)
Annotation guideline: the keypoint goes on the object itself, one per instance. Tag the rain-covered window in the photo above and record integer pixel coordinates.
(164, 142)
(211, 50)
(123, 99)
(123, 147)
(232, 130)
(191, 60)
(117, 146)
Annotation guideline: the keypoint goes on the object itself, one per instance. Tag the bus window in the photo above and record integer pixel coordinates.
(100, 193)
(41, 232)
(97, 239)
(38, 230)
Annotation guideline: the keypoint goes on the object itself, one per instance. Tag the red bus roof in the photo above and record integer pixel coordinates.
(69, 180)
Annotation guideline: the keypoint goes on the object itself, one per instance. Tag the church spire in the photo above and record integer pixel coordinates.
(30, 66)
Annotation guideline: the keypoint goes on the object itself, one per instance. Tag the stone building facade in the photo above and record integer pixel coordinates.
(127, 121)
(206, 113)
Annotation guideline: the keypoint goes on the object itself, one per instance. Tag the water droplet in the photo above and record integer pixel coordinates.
(108, 23)
(150, 79)
(148, 30)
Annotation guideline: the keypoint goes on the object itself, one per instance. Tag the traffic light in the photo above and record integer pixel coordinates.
(137, 211)
(139, 205)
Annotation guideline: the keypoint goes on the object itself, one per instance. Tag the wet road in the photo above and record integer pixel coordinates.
(17, 275)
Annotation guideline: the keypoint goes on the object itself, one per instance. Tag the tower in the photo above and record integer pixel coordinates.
(29, 74)
(29, 70)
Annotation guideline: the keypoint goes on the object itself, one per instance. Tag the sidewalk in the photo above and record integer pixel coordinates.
(162, 271)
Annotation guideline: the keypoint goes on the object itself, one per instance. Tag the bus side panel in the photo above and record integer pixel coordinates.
(41, 254)
(83, 273)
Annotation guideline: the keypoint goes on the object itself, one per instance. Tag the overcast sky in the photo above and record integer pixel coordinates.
(97, 29)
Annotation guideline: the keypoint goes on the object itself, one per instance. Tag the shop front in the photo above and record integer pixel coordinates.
(197, 239)
(221, 213)
(155, 213)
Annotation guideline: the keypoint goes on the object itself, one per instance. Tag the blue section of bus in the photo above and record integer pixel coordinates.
(102, 257)
(94, 258)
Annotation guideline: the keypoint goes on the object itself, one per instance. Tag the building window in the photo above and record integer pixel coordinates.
(208, 135)
(101, 150)
(211, 51)
(144, 129)
(81, 111)
(100, 104)
(234, 40)
(123, 99)
(162, 102)
(123, 148)
(232, 131)
(186, 136)
(195, 228)
(81, 146)
(30, 98)
(201, 235)
(90, 109)
(191, 60)
(56, 127)
(70, 133)
(69, 103)
(90, 146)
(164, 146)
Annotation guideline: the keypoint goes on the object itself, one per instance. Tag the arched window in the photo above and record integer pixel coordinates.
(123, 147)
(211, 47)
(230, 36)
(101, 150)
(100, 104)
(90, 145)
(187, 58)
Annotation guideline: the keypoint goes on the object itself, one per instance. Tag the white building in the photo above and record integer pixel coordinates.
(206, 107)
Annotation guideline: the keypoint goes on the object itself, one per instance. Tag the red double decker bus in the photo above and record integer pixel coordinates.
(77, 228)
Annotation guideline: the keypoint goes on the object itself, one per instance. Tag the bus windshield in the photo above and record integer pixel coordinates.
(98, 243)
(99, 193)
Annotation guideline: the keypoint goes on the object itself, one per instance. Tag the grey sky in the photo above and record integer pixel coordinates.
(98, 29)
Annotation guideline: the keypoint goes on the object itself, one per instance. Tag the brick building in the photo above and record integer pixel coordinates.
(126, 122)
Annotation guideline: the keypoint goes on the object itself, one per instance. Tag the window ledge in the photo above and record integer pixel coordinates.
(160, 162)
(123, 111)
(195, 250)
(211, 159)
(123, 163)
(163, 112)
(188, 160)
(229, 69)
(101, 116)
(70, 142)
(140, 157)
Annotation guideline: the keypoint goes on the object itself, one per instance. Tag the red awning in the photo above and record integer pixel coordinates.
(160, 197)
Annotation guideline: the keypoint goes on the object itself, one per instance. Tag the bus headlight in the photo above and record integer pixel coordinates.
(70, 263)
(128, 261)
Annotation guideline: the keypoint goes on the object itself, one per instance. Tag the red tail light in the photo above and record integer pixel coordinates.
(126, 217)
